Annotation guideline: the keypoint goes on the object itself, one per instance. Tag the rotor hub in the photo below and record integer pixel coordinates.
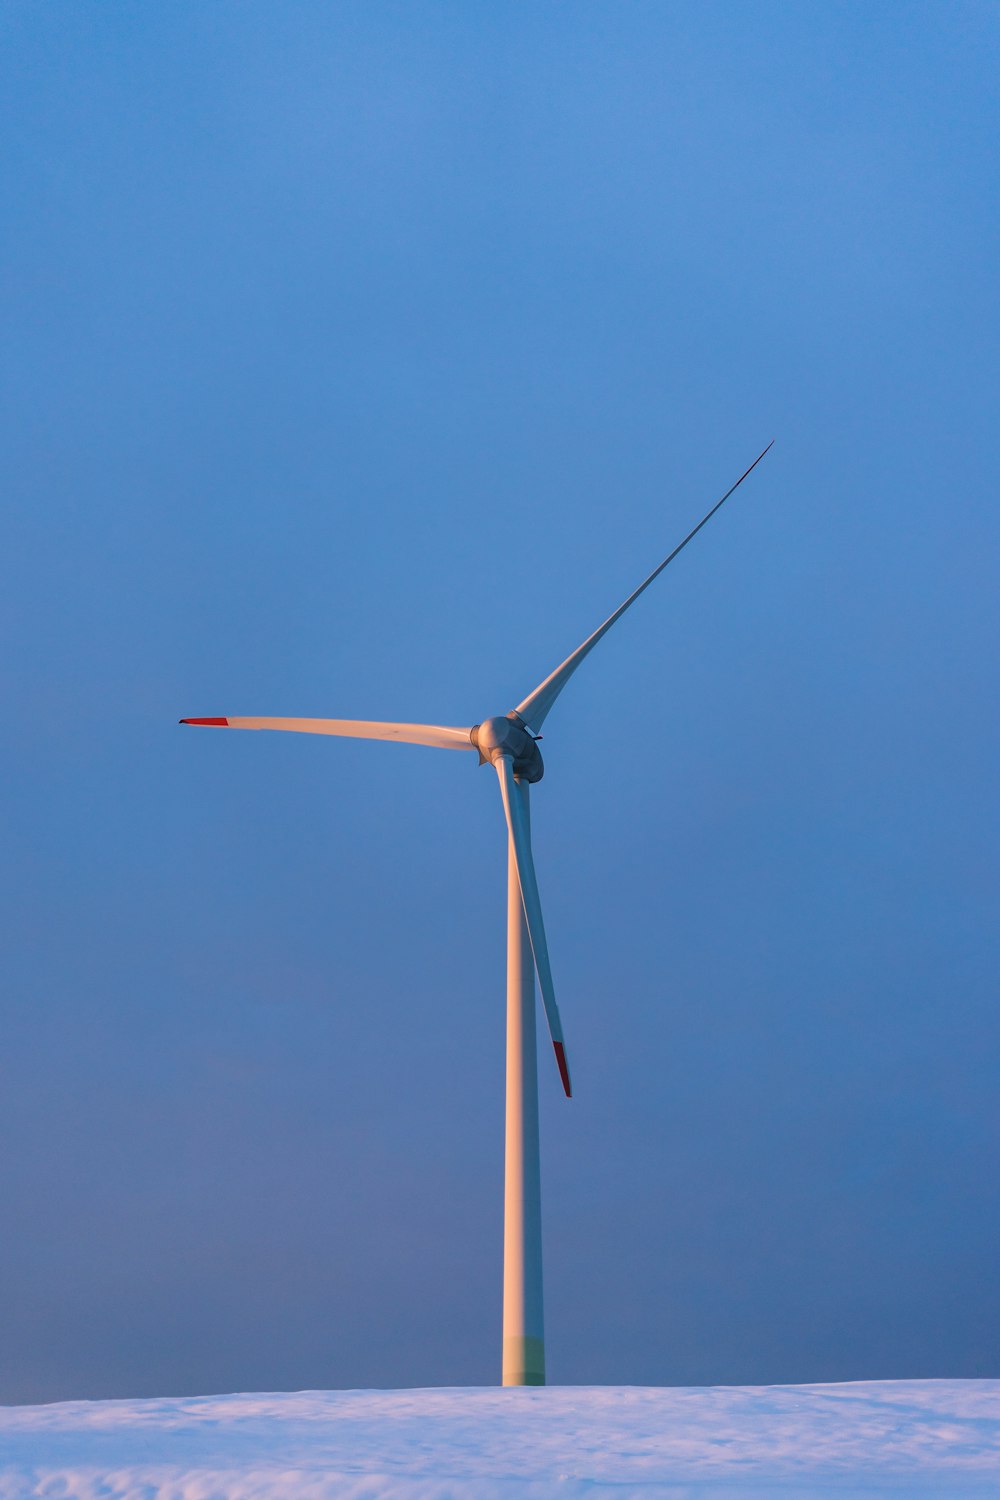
(507, 736)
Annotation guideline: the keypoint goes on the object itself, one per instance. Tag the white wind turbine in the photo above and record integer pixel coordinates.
(509, 743)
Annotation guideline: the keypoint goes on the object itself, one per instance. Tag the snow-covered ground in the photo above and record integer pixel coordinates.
(871, 1439)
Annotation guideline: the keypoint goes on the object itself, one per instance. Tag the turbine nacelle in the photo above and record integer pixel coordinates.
(508, 738)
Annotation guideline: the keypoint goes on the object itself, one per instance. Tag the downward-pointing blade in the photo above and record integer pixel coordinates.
(521, 840)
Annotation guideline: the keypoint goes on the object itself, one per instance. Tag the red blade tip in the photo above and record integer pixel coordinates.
(563, 1069)
(222, 722)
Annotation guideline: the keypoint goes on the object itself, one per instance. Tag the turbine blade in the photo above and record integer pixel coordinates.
(537, 704)
(521, 840)
(438, 735)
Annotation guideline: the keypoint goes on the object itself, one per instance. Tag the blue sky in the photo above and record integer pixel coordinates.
(360, 360)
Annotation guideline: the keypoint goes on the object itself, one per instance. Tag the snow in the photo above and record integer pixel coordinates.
(916, 1438)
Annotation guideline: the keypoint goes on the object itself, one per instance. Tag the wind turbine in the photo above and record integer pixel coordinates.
(509, 743)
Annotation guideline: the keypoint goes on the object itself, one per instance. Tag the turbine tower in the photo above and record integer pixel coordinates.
(510, 744)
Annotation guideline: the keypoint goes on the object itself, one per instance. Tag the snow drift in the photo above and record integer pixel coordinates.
(870, 1439)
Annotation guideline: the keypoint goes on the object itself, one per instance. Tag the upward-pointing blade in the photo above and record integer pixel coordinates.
(441, 736)
(521, 840)
(537, 704)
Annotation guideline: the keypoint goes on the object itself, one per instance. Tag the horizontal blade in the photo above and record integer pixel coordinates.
(521, 840)
(534, 708)
(439, 735)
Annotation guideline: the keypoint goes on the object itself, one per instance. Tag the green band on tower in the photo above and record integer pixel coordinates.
(523, 1361)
